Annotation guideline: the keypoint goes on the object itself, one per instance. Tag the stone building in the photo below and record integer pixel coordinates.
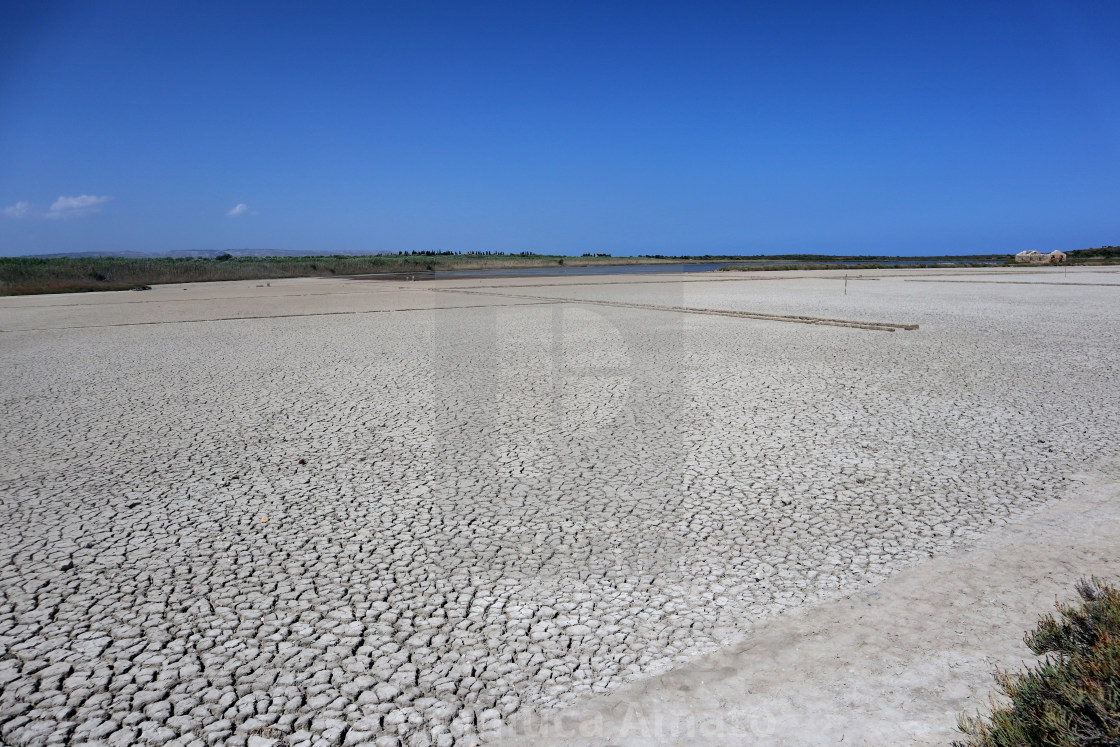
(1038, 258)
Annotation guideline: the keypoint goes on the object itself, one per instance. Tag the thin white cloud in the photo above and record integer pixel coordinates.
(76, 207)
(20, 210)
(238, 210)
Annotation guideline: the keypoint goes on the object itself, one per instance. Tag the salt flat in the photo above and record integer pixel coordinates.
(345, 511)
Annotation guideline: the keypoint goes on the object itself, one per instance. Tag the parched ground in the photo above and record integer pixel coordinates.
(338, 511)
(889, 664)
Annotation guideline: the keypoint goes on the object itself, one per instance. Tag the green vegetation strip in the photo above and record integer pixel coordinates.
(31, 275)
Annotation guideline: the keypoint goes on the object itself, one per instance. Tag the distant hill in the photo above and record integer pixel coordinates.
(1103, 252)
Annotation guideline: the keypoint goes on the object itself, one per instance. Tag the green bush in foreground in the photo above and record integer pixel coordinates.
(1073, 696)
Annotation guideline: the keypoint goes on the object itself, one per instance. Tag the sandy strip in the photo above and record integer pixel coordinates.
(276, 316)
(1010, 282)
(796, 318)
(894, 664)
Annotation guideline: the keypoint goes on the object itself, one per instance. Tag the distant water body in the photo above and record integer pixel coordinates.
(675, 268)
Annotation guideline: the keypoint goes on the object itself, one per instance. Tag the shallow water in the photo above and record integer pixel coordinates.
(557, 271)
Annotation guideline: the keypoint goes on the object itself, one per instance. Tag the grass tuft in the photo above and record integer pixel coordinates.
(1072, 697)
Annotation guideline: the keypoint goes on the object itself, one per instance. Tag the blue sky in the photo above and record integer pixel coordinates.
(677, 128)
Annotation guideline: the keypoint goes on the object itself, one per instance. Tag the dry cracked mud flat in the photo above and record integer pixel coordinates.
(364, 512)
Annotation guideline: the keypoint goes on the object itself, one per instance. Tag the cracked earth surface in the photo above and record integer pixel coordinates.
(347, 512)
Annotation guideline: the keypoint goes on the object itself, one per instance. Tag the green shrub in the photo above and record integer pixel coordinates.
(1070, 698)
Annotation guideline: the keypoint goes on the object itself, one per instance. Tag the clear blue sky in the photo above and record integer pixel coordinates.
(628, 127)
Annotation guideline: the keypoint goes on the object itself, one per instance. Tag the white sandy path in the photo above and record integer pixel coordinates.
(892, 665)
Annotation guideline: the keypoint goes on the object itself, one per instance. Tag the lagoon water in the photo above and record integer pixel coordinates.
(664, 269)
